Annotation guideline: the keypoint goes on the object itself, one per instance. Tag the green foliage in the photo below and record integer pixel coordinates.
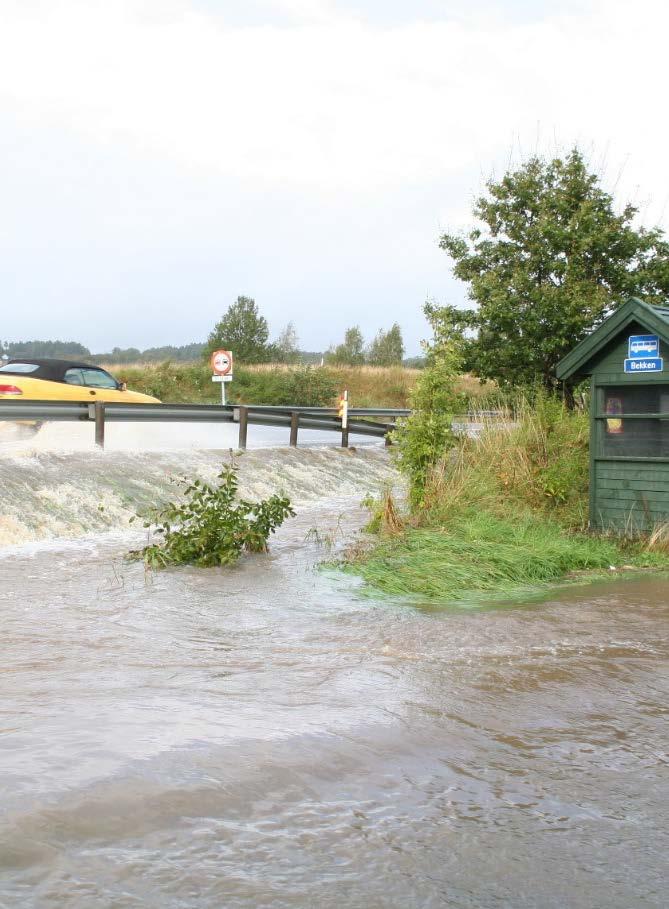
(351, 352)
(387, 348)
(177, 383)
(536, 457)
(243, 331)
(423, 437)
(172, 383)
(559, 455)
(212, 526)
(305, 386)
(550, 261)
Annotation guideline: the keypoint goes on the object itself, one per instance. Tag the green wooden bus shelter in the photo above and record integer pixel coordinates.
(629, 411)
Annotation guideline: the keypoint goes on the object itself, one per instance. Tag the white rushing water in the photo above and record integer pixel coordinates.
(50, 491)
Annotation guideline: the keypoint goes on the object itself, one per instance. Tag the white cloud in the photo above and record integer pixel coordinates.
(339, 100)
(321, 104)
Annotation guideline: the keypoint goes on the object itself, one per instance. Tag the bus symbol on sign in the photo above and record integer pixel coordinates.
(641, 347)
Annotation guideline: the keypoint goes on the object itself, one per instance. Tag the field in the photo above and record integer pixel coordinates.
(368, 386)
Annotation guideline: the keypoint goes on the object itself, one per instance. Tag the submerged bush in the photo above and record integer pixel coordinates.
(212, 526)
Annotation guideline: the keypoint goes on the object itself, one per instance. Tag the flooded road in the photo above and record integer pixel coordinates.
(275, 736)
(269, 736)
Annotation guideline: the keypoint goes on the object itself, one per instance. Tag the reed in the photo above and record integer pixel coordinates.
(658, 539)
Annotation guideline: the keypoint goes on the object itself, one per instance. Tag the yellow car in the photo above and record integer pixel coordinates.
(63, 380)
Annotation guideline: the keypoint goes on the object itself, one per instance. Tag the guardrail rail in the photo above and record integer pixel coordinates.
(295, 418)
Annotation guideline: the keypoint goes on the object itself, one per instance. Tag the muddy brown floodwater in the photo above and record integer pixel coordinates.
(270, 736)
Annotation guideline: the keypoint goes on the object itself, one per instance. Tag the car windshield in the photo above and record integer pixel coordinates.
(19, 367)
(92, 378)
(98, 378)
(74, 377)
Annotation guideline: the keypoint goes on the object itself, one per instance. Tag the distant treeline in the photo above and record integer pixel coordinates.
(186, 353)
(58, 349)
(71, 350)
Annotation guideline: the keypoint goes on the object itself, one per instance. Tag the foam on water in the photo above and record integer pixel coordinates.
(48, 495)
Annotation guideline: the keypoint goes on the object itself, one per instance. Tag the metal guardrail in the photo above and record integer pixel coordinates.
(75, 410)
(392, 412)
(322, 418)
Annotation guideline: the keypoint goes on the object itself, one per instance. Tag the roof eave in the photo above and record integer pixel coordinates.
(633, 310)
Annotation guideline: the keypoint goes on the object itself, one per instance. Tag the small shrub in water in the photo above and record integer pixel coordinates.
(212, 526)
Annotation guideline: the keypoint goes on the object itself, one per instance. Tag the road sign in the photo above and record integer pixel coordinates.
(221, 365)
(641, 347)
(221, 362)
(648, 364)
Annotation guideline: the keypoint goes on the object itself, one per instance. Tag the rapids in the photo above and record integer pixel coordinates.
(63, 494)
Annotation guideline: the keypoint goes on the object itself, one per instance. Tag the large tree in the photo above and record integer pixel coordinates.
(387, 348)
(352, 351)
(243, 331)
(549, 261)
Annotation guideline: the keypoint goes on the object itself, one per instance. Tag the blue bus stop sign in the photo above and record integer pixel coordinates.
(647, 364)
(643, 354)
(641, 347)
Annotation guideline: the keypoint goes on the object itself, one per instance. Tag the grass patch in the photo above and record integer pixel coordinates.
(478, 552)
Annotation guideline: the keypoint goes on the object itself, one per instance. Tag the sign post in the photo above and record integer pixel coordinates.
(221, 366)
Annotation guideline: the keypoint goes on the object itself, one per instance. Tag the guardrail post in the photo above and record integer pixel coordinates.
(100, 424)
(243, 426)
(294, 424)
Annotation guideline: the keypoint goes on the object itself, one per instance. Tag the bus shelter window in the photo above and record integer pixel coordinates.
(635, 437)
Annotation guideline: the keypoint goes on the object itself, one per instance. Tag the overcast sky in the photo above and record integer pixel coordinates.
(160, 157)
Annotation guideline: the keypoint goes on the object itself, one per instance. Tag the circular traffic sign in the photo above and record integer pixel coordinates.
(221, 362)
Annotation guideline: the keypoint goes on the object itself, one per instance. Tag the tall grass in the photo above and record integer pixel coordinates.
(503, 511)
(533, 456)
